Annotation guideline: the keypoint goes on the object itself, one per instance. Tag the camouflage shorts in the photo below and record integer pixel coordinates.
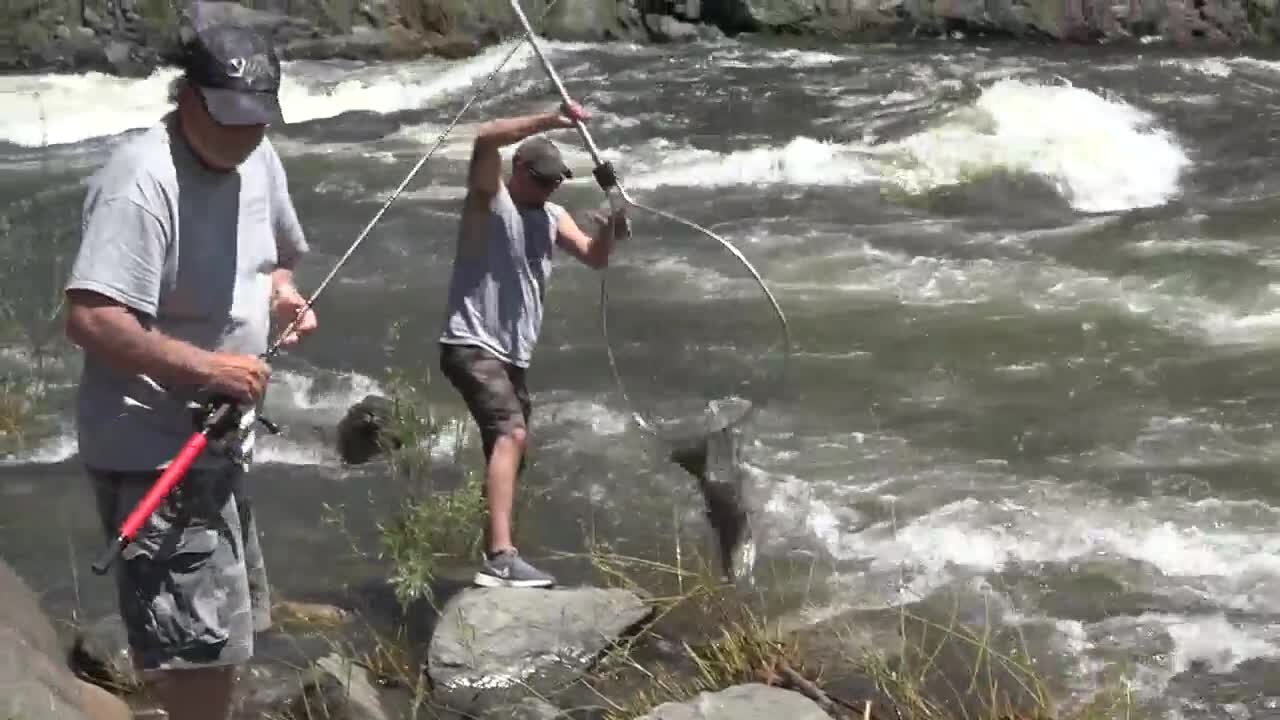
(493, 390)
(192, 587)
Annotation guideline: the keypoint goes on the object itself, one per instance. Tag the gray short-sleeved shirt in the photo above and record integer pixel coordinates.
(191, 251)
(500, 278)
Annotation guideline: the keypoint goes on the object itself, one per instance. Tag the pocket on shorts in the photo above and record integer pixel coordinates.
(163, 539)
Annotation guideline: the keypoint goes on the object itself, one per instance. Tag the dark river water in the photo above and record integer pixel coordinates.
(1034, 299)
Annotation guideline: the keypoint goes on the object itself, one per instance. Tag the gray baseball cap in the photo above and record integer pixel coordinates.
(234, 67)
(543, 157)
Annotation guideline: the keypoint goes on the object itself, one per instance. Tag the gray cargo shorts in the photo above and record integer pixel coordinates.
(192, 586)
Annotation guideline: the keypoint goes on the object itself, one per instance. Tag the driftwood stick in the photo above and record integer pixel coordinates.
(806, 687)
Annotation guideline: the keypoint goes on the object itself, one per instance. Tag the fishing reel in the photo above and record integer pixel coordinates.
(607, 178)
(226, 424)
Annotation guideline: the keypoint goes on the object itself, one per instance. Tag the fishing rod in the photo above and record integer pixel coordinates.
(220, 415)
(619, 201)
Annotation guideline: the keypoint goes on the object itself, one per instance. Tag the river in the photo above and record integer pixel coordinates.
(1034, 296)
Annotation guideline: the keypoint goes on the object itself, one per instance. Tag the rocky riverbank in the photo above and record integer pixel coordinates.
(132, 37)
(579, 652)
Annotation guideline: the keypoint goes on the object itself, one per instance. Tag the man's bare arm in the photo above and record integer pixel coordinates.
(110, 331)
(592, 250)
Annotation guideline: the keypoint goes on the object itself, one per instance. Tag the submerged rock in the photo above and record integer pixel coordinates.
(753, 701)
(494, 647)
(333, 687)
(306, 614)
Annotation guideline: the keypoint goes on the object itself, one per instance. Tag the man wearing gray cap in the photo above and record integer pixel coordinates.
(189, 240)
(495, 304)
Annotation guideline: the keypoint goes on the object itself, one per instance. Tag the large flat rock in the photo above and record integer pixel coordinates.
(753, 701)
(35, 681)
(495, 646)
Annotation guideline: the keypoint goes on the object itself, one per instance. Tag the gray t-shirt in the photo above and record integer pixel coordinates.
(500, 278)
(191, 251)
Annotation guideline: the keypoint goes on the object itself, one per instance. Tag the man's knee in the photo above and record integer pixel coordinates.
(517, 436)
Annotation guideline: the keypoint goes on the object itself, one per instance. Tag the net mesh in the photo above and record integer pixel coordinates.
(695, 343)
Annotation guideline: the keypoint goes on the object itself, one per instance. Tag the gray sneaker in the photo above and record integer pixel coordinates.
(508, 569)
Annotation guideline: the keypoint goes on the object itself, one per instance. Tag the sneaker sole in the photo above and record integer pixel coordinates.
(486, 580)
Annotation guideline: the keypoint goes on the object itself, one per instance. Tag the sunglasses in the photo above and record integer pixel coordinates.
(544, 181)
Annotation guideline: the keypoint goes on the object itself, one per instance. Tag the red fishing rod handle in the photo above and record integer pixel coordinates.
(156, 495)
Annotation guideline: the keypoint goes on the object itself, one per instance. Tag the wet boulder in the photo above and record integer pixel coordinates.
(753, 701)
(497, 646)
(33, 672)
(365, 431)
(333, 687)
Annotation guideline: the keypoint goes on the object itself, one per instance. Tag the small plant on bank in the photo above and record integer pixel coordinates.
(37, 240)
(431, 524)
(14, 408)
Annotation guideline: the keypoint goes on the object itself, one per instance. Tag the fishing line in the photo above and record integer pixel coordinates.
(620, 200)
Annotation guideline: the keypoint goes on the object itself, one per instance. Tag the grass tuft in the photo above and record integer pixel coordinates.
(432, 523)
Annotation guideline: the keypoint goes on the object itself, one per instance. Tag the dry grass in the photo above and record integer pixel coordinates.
(940, 669)
(14, 408)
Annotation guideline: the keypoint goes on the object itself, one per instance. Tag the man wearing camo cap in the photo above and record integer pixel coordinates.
(186, 259)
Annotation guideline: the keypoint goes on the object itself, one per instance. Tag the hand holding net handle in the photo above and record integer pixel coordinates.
(604, 173)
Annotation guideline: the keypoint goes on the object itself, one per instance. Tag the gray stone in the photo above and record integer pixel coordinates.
(101, 653)
(364, 43)
(35, 679)
(120, 57)
(753, 701)
(93, 20)
(496, 646)
(592, 21)
(664, 28)
(334, 684)
(527, 709)
(239, 14)
(362, 432)
(34, 685)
